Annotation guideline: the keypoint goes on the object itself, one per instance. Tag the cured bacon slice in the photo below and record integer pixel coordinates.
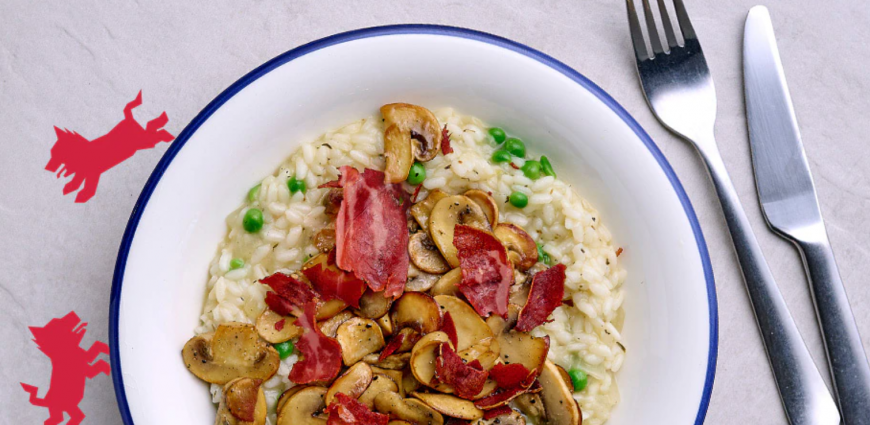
(331, 183)
(334, 283)
(449, 328)
(466, 380)
(498, 411)
(346, 410)
(486, 270)
(288, 294)
(500, 398)
(548, 288)
(321, 355)
(371, 234)
(509, 375)
(445, 141)
(392, 346)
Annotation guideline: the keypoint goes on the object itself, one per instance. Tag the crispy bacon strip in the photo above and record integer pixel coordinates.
(279, 325)
(371, 233)
(346, 410)
(500, 398)
(288, 294)
(486, 271)
(498, 411)
(445, 141)
(331, 183)
(449, 328)
(548, 288)
(244, 405)
(392, 346)
(321, 355)
(466, 380)
(509, 375)
(334, 283)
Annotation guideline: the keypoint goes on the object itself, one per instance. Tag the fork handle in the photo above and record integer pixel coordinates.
(846, 357)
(803, 392)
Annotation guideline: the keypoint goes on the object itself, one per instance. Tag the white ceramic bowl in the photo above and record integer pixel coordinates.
(671, 323)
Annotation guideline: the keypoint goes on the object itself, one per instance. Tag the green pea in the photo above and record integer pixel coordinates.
(532, 169)
(253, 220)
(237, 263)
(579, 378)
(497, 134)
(500, 156)
(546, 167)
(417, 174)
(253, 193)
(543, 256)
(296, 185)
(519, 199)
(516, 147)
(284, 349)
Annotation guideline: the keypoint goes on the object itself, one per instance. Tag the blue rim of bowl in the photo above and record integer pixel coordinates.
(175, 147)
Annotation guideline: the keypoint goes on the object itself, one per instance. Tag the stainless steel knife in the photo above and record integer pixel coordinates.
(788, 199)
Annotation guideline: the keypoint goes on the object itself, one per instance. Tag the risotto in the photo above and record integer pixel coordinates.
(296, 217)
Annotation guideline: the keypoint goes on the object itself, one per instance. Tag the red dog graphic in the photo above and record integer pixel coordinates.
(71, 365)
(87, 160)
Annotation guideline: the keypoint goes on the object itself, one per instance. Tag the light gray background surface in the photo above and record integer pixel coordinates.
(76, 64)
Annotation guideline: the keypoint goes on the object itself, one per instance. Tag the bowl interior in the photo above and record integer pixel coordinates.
(670, 328)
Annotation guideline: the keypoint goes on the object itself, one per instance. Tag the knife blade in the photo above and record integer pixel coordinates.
(791, 208)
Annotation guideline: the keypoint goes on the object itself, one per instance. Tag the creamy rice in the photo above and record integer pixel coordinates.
(570, 229)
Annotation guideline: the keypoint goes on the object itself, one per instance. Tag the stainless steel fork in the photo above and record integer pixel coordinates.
(679, 89)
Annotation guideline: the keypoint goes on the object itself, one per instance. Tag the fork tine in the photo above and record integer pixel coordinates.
(685, 23)
(636, 32)
(654, 40)
(666, 22)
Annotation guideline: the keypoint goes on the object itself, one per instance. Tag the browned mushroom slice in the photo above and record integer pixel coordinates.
(425, 254)
(523, 348)
(386, 324)
(242, 403)
(522, 250)
(358, 337)
(409, 382)
(418, 127)
(416, 310)
(532, 406)
(398, 422)
(330, 308)
(470, 328)
(489, 387)
(422, 282)
(411, 337)
(330, 326)
(234, 350)
(557, 397)
(499, 325)
(450, 405)
(448, 284)
(449, 212)
(287, 394)
(398, 155)
(423, 359)
(380, 383)
(407, 409)
(565, 377)
(353, 382)
(373, 305)
(512, 418)
(486, 352)
(423, 209)
(392, 362)
(270, 330)
(394, 375)
(486, 204)
(324, 239)
(301, 408)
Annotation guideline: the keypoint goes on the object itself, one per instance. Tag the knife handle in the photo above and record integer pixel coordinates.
(802, 390)
(846, 357)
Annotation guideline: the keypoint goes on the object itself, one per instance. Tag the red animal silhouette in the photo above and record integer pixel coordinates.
(71, 365)
(87, 160)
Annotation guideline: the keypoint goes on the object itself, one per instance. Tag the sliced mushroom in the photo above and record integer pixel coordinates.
(418, 126)
(523, 348)
(449, 212)
(522, 250)
(409, 340)
(532, 406)
(242, 403)
(268, 327)
(557, 397)
(409, 382)
(398, 155)
(353, 382)
(423, 359)
(386, 324)
(448, 284)
(422, 282)
(234, 350)
(499, 325)
(450, 405)
(398, 422)
(358, 337)
(565, 377)
(301, 407)
(380, 383)
(287, 394)
(470, 328)
(486, 204)
(416, 310)
(512, 418)
(394, 375)
(324, 239)
(425, 254)
(392, 362)
(330, 326)
(423, 209)
(330, 308)
(373, 304)
(488, 388)
(407, 409)
(485, 351)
